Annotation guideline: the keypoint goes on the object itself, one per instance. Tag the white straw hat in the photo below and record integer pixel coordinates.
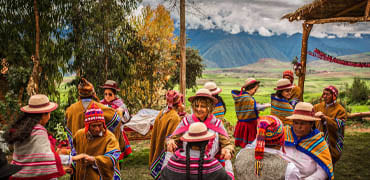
(39, 103)
(304, 111)
(197, 132)
(212, 87)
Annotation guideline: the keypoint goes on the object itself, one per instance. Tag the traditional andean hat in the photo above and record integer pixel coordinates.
(203, 93)
(212, 87)
(173, 97)
(110, 84)
(283, 84)
(93, 114)
(39, 103)
(197, 132)
(304, 111)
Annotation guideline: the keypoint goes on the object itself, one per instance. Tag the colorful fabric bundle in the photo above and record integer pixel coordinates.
(92, 115)
(314, 145)
(323, 56)
(219, 111)
(281, 109)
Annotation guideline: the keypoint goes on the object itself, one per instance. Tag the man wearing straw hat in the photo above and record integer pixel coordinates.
(75, 114)
(305, 147)
(333, 117)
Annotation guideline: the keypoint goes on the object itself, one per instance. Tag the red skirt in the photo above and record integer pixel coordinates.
(245, 133)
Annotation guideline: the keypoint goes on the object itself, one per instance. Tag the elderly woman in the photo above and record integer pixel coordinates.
(193, 162)
(305, 147)
(164, 125)
(203, 104)
(246, 109)
(280, 106)
(33, 147)
(112, 100)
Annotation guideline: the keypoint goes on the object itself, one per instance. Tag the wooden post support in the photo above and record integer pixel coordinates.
(367, 10)
(182, 49)
(306, 33)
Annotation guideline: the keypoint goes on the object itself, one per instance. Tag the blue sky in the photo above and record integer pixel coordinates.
(261, 16)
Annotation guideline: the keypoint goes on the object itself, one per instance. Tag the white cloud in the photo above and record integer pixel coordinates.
(261, 16)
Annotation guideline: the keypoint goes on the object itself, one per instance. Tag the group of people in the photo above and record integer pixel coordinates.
(183, 145)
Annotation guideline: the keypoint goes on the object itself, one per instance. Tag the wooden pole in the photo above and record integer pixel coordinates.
(306, 33)
(183, 49)
(367, 10)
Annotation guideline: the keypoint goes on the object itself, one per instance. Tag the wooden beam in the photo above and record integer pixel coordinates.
(367, 10)
(306, 33)
(182, 49)
(338, 19)
(361, 114)
(356, 6)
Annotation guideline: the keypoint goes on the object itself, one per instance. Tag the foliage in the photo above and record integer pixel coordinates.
(154, 61)
(358, 93)
(17, 32)
(194, 68)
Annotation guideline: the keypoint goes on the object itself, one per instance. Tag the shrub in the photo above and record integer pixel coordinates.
(358, 93)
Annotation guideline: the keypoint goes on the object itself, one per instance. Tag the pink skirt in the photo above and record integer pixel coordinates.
(245, 133)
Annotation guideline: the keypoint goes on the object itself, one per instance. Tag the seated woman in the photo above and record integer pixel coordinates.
(194, 163)
(306, 148)
(280, 106)
(265, 149)
(112, 100)
(203, 104)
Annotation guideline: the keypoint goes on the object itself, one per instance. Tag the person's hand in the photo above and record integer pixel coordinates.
(319, 114)
(225, 154)
(79, 156)
(267, 105)
(171, 145)
(89, 159)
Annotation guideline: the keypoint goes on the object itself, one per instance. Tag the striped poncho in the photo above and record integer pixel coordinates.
(313, 145)
(247, 114)
(37, 156)
(281, 109)
(176, 168)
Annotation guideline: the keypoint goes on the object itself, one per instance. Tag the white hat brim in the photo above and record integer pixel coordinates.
(217, 91)
(303, 117)
(205, 137)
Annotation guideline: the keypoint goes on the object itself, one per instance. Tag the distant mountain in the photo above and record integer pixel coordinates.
(222, 49)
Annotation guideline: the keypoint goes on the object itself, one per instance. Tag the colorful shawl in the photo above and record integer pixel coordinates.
(176, 168)
(37, 156)
(334, 128)
(106, 151)
(281, 109)
(245, 106)
(314, 145)
(219, 111)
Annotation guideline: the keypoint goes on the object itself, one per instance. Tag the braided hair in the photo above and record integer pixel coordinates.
(21, 128)
(202, 145)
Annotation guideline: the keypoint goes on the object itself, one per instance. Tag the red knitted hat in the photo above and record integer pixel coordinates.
(333, 90)
(92, 115)
(288, 73)
(173, 97)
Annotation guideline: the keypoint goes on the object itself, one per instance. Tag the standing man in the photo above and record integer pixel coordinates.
(333, 117)
(75, 114)
(100, 147)
(296, 90)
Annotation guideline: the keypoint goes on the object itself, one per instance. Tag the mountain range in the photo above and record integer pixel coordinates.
(222, 49)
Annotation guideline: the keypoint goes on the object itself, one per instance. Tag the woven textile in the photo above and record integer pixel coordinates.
(270, 132)
(37, 156)
(281, 109)
(219, 111)
(314, 145)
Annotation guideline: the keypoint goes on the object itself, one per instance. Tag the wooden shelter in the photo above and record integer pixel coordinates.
(326, 11)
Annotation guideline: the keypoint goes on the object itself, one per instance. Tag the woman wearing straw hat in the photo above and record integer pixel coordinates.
(193, 162)
(246, 109)
(203, 105)
(112, 100)
(280, 106)
(33, 147)
(306, 148)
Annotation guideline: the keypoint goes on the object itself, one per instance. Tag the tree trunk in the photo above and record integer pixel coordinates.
(306, 33)
(34, 81)
(183, 49)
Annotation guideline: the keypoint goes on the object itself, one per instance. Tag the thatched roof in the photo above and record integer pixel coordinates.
(325, 9)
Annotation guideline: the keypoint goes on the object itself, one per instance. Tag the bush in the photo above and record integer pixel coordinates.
(358, 93)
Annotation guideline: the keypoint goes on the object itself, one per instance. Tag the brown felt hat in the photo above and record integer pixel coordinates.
(39, 103)
(110, 84)
(203, 93)
(197, 132)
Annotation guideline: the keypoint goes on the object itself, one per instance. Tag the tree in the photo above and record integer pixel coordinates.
(154, 61)
(193, 64)
(358, 93)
